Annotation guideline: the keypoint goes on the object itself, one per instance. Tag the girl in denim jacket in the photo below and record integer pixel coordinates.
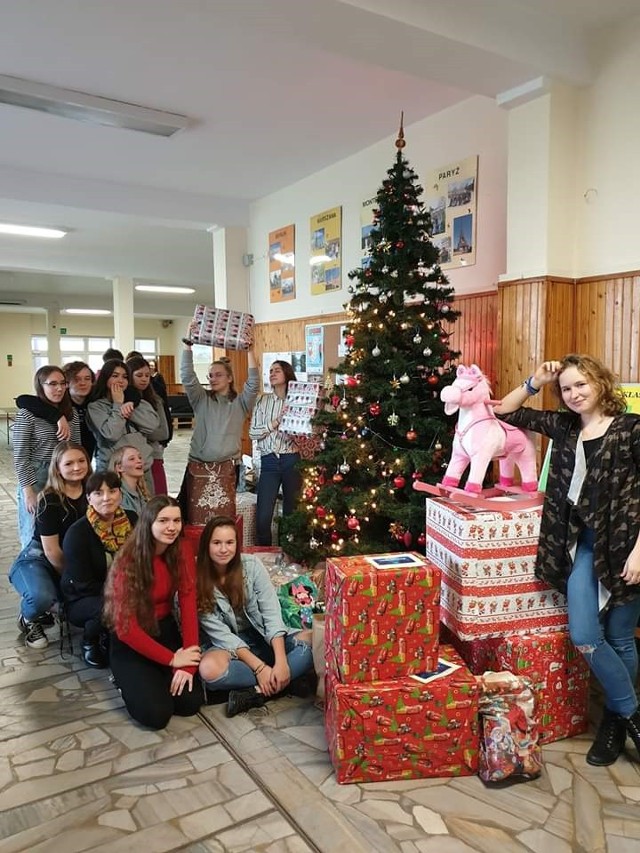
(251, 651)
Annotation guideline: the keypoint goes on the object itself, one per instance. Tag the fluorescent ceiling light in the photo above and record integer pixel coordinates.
(30, 231)
(96, 311)
(163, 288)
(92, 109)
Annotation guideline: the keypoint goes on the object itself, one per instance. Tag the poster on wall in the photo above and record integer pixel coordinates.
(299, 364)
(451, 198)
(282, 268)
(314, 338)
(366, 227)
(325, 254)
(631, 391)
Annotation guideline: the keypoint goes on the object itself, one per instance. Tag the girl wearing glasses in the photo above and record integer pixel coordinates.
(209, 484)
(116, 418)
(34, 440)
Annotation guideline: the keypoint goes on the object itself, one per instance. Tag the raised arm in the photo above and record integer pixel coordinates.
(544, 374)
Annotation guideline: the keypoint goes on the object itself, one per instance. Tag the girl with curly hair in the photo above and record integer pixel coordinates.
(250, 652)
(153, 659)
(589, 545)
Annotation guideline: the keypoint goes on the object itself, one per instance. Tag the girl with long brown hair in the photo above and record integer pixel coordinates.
(250, 652)
(154, 660)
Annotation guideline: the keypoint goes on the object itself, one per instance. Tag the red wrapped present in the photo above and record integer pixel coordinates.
(219, 327)
(487, 560)
(556, 669)
(382, 615)
(403, 729)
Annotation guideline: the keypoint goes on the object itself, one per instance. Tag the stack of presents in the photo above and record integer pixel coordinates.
(408, 637)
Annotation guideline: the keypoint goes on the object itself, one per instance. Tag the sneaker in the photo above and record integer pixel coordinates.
(47, 619)
(34, 635)
(243, 700)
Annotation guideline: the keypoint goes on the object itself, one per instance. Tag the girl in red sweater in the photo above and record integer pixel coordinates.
(153, 659)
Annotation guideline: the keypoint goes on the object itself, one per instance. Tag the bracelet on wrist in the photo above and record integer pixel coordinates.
(529, 387)
(259, 669)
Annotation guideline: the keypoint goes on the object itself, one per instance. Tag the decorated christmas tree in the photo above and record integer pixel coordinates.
(383, 425)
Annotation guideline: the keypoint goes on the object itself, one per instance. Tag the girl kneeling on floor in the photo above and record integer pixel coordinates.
(251, 652)
(153, 660)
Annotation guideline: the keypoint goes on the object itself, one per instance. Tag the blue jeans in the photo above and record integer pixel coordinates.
(26, 519)
(606, 640)
(239, 675)
(274, 472)
(36, 580)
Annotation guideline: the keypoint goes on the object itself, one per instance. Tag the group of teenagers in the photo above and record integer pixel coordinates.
(103, 544)
(120, 566)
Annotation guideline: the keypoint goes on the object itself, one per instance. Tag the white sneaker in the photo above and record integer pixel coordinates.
(34, 635)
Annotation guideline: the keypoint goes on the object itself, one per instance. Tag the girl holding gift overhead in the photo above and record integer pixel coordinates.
(589, 544)
(279, 453)
(209, 484)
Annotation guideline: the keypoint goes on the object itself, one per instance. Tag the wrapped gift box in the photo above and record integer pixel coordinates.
(218, 327)
(403, 729)
(557, 671)
(246, 507)
(300, 406)
(487, 560)
(382, 615)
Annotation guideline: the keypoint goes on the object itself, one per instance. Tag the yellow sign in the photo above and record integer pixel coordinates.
(325, 255)
(631, 391)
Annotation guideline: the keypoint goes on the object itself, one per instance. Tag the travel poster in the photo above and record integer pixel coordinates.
(282, 268)
(325, 251)
(451, 198)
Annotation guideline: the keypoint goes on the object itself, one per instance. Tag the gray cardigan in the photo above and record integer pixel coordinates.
(112, 430)
(261, 608)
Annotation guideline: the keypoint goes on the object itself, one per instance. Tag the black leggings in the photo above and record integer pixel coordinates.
(145, 684)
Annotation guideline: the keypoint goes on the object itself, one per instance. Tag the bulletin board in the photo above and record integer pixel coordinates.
(333, 342)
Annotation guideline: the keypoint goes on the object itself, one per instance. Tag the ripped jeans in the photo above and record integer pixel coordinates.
(607, 641)
(240, 675)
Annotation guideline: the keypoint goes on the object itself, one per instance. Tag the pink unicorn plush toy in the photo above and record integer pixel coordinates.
(481, 437)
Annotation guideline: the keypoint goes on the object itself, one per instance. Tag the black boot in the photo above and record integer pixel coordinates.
(633, 729)
(610, 739)
(94, 656)
(243, 700)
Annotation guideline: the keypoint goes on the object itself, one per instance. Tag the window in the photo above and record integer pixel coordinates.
(87, 349)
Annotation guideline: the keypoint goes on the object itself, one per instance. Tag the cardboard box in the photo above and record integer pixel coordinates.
(403, 729)
(557, 671)
(382, 615)
(487, 560)
(218, 327)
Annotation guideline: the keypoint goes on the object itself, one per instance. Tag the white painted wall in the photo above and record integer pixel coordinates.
(476, 126)
(609, 223)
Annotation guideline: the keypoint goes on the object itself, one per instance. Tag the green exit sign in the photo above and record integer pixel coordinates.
(63, 331)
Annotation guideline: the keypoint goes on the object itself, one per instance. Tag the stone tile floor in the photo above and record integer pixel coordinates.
(76, 774)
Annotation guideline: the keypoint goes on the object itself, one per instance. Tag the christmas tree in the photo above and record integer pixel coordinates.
(383, 425)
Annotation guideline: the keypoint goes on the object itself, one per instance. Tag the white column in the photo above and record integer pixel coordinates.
(123, 320)
(230, 275)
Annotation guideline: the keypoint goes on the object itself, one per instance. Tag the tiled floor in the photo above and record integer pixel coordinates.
(76, 774)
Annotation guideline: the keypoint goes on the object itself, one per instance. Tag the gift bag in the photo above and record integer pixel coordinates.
(317, 648)
(219, 327)
(297, 599)
(508, 728)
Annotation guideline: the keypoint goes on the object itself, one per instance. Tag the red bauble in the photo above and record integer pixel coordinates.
(432, 379)
(400, 244)
(335, 401)
(407, 539)
(321, 512)
(353, 523)
(349, 340)
(417, 475)
(412, 435)
(335, 536)
(309, 493)
(374, 409)
(351, 381)
(337, 477)
(399, 482)
(422, 540)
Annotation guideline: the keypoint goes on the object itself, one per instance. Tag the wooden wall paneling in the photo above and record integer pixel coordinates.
(474, 333)
(166, 365)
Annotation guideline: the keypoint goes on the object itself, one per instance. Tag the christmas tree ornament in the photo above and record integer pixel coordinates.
(432, 379)
(399, 482)
(335, 536)
(445, 309)
(399, 244)
(383, 297)
(344, 403)
(374, 409)
(427, 352)
(337, 477)
(323, 445)
(351, 381)
(438, 446)
(375, 351)
(309, 494)
(417, 475)
(400, 141)
(349, 340)
(344, 436)
(422, 540)
(345, 467)
(321, 512)
(404, 379)
(359, 398)
(353, 523)
(335, 399)
(417, 338)
(407, 539)
(313, 543)
(412, 435)
(395, 382)
(393, 419)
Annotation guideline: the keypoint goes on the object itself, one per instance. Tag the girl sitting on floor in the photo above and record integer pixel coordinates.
(251, 652)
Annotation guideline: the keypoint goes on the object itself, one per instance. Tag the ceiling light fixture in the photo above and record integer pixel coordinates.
(98, 312)
(31, 231)
(92, 109)
(163, 288)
